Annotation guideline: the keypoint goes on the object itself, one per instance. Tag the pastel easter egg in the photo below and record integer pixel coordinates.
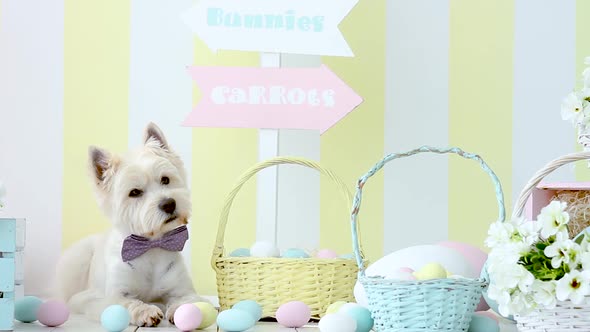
(208, 312)
(115, 318)
(264, 249)
(293, 314)
(334, 307)
(25, 309)
(53, 313)
(337, 322)
(488, 314)
(188, 317)
(250, 306)
(347, 256)
(401, 274)
(240, 252)
(480, 323)
(362, 316)
(235, 320)
(326, 253)
(295, 253)
(431, 271)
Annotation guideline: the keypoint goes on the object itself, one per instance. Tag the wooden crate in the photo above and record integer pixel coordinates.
(12, 244)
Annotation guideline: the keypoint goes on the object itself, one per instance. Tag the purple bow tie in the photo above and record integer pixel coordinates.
(135, 245)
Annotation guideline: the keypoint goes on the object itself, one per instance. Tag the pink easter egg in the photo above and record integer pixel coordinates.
(476, 258)
(488, 314)
(187, 317)
(326, 253)
(293, 314)
(406, 270)
(53, 313)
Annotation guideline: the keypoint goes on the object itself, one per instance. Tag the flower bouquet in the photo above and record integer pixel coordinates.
(538, 274)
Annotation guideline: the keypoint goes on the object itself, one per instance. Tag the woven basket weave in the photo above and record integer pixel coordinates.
(566, 316)
(275, 281)
(420, 306)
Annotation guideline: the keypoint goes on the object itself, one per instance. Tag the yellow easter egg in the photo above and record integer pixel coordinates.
(334, 307)
(431, 271)
(449, 274)
(208, 312)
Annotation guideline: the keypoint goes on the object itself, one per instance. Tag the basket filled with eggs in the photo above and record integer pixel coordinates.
(539, 272)
(263, 275)
(430, 298)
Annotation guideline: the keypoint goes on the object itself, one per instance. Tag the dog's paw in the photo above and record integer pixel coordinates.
(146, 315)
(170, 313)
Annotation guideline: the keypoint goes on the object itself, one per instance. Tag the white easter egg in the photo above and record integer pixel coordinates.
(415, 258)
(337, 322)
(264, 249)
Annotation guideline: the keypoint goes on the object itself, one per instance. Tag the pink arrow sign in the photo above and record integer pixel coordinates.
(270, 98)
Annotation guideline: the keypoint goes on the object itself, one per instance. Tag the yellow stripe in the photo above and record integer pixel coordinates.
(96, 66)
(355, 143)
(220, 156)
(582, 51)
(480, 112)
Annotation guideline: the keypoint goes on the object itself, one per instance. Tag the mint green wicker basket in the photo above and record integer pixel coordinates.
(420, 306)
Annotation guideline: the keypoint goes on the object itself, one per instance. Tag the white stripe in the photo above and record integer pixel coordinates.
(31, 129)
(544, 73)
(160, 90)
(416, 189)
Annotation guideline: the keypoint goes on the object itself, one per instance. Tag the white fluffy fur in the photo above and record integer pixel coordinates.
(91, 275)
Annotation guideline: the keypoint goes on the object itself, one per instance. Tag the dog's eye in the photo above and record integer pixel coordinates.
(135, 193)
(165, 180)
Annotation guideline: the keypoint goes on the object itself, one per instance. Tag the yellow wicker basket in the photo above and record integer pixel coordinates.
(274, 281)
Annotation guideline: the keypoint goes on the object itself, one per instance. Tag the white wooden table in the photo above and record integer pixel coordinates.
(79, 323)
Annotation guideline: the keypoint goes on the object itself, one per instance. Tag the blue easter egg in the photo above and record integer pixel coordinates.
(347, 256)
(493, 305)
(250, 307)
(480, 323)
(115, 318)
(295, 253)
(362, 315)
(25, 309)
(240, 252)
(235, 320)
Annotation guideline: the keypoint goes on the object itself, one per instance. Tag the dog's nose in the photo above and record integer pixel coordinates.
(168, 205)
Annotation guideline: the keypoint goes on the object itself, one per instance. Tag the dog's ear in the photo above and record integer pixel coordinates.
(100, 163)
(153, 132)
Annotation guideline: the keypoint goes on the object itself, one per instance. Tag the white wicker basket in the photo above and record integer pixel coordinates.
(566, 316)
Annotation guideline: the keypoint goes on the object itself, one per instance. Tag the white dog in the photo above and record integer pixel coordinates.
(137, 263)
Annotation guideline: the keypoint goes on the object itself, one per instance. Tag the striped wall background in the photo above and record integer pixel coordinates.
(487, 76)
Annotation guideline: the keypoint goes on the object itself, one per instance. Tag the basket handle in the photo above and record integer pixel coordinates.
(541, 174)
(343, 188)
(361, 183)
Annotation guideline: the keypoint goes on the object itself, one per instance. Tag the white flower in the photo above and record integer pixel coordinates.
(585, 260)
(563, 251)
(521, 303)
(499, 233)
(502, 297)
(553, 218)
(544, 293)
(573, 286)
(528, 230)
(2, 194)
(571, 108)
(513, 276)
